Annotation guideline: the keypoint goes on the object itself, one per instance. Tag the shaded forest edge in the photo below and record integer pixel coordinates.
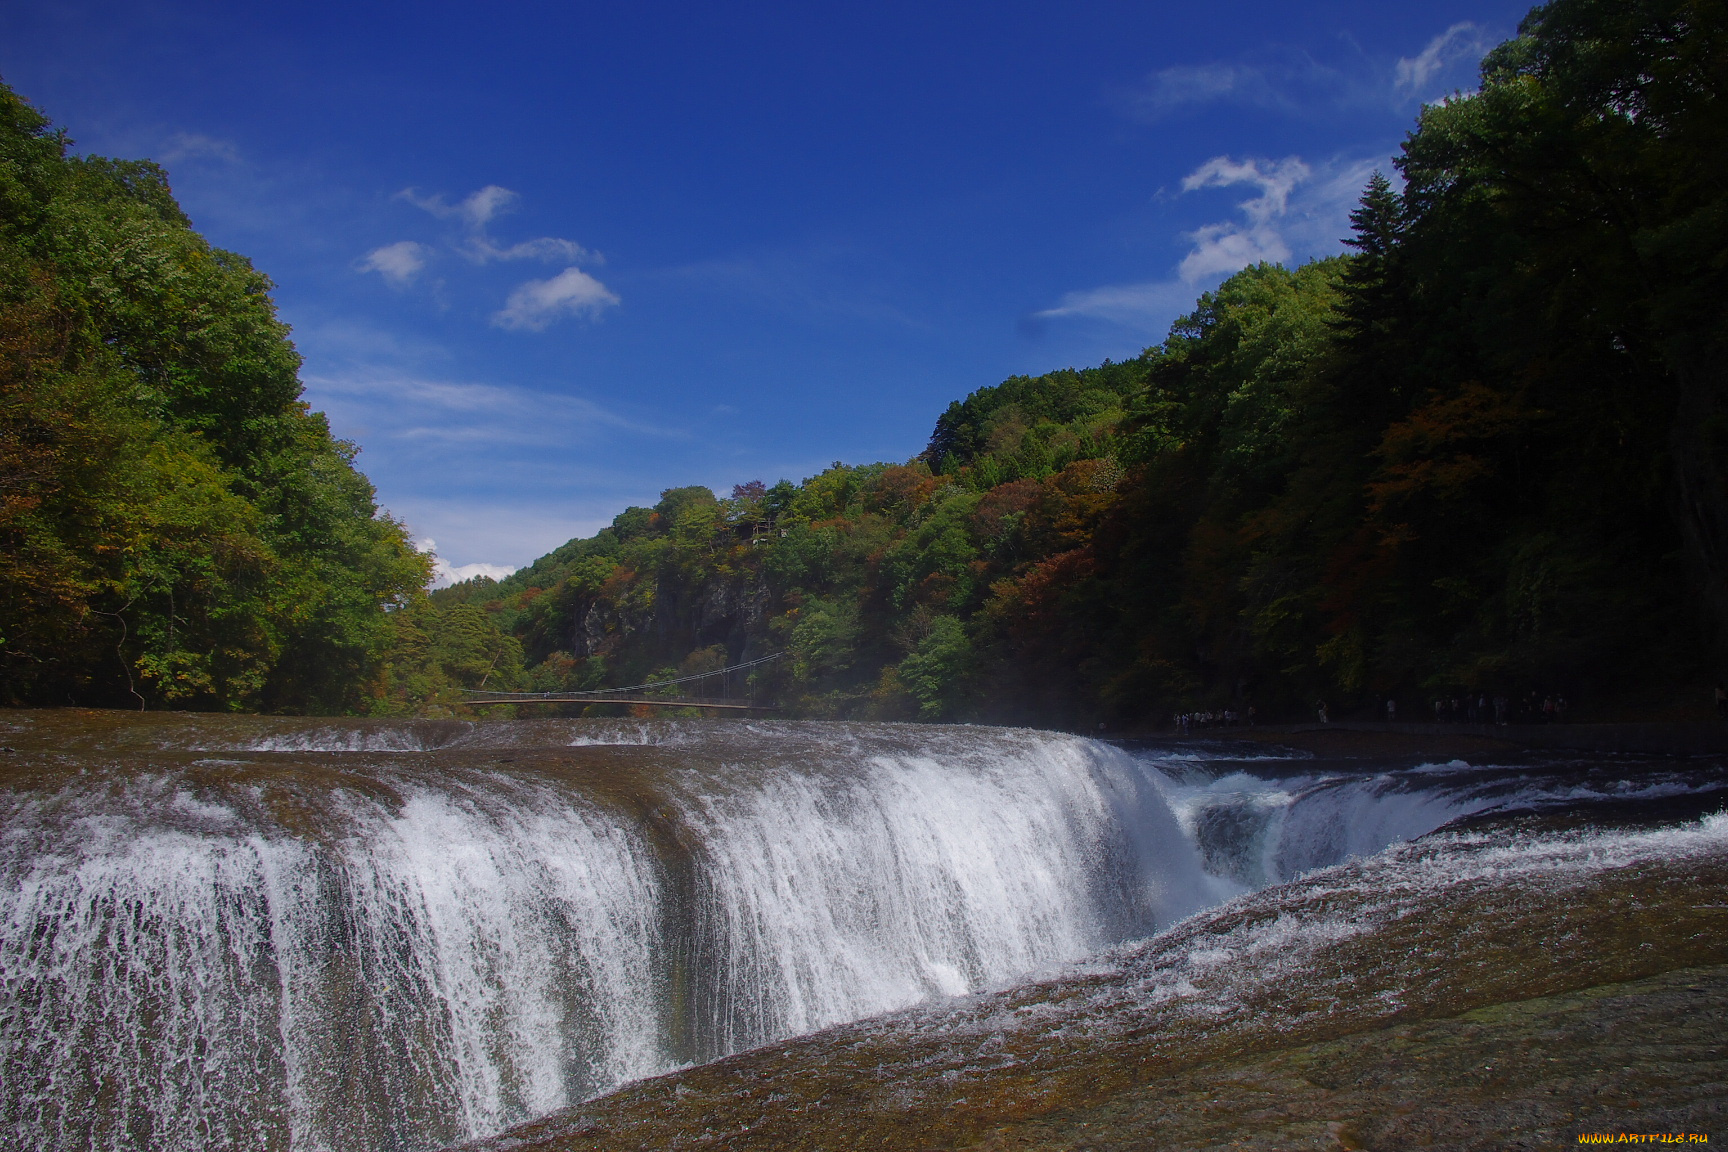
(1482, 453)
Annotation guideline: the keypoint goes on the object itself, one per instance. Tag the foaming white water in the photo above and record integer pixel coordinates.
(840, 890)
(1266, 831)
(333, 738)
(501, 940)
(414, 974)
(1262, 823)
(404, 950)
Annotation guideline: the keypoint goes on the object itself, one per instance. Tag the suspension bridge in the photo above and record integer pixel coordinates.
(656, 693)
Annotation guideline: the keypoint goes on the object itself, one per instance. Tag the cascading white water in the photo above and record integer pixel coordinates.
(398, 939)
(848, 887)
(186, 973)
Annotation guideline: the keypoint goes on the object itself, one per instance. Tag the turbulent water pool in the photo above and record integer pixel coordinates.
(251, 933)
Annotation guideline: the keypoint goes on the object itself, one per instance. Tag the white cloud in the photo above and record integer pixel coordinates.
(1300, 212)
(1228, 247)
(398, 263)
(1462, 41)
(533, 305)
(1274, 179)
(537, 303)
(197, 146)
(481, 249)
(445, 573)
(475, 210)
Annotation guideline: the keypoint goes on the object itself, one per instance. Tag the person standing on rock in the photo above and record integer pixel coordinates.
(1391, 710)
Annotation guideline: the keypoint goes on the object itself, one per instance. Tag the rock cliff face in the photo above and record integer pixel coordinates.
(677, 617)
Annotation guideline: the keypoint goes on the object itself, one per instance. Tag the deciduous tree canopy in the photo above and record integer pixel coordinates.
(176, 528)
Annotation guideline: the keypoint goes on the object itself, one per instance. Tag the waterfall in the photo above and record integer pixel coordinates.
(271, 934)
(257, 934)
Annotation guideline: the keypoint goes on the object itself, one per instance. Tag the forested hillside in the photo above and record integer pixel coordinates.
(176, 528)
(1482, 452)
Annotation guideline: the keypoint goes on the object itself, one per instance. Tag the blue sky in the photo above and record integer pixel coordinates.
(544, 260)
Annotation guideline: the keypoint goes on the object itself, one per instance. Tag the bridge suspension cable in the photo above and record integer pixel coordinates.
(635, 693)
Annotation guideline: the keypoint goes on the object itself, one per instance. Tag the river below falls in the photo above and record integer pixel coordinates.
(263, 933)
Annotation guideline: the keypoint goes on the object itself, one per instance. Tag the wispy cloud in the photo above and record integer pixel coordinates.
(1129, 304)
(1463, 42)
(549, 249)
(197, 146)
(537, 303)
(478, 209)
(1300, 211)
(1172, 88)
(1294, 82)
(412, 408)
(497, 472)
(398, 263)
(1283, 79)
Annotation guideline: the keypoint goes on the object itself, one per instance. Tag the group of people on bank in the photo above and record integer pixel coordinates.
(1468, 708)
(1480, 708)
(1222, 718)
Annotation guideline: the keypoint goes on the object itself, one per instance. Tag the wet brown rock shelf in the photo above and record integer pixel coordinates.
(1640, 1056)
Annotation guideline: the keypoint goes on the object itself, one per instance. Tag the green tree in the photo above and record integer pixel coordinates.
(175, 525)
